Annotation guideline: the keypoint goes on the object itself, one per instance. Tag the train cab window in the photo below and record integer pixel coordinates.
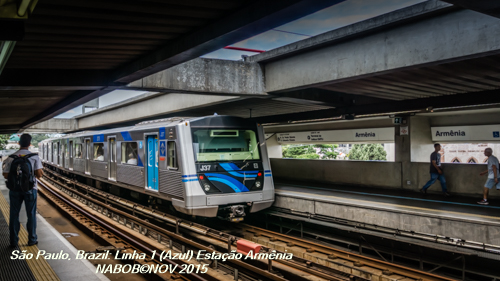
(66, 152)
(129, 153)
(98, 152)
(172, 155)
(225, 145)
(78, 150)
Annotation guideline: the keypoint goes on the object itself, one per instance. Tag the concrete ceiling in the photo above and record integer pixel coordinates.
(467, 76)
(76, 51)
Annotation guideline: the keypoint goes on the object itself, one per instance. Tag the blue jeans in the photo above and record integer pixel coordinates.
(434, 177)
(16, 201)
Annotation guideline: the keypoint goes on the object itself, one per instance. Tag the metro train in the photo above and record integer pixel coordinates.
(214, 166)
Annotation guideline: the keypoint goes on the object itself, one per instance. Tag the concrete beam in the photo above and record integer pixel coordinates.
(55, 125)
(148, 106)
(203, 76)
(359, 29)
(451, 36)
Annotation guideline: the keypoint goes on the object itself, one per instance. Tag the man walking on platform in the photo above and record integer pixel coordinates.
(436, 172)
(493, 175)
(20, 170)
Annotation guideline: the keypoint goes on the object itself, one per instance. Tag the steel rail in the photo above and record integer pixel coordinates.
(297, 263)
(183, 240)
(353, 257)
(130, 240)
(311, 268)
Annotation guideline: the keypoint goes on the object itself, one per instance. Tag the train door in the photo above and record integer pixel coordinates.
(61, 153)
(88, 151)
(57, 157)
(51, 152)
(71, 152)
(112, 158)
(152, 162)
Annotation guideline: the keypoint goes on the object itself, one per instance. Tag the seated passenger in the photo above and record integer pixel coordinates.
(100, 156)
(131, 159)
(79, 155)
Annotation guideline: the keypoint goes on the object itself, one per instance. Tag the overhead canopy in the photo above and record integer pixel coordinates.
(76, 51)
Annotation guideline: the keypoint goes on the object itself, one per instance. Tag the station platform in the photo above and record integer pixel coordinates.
(456, 217)
(50, 240)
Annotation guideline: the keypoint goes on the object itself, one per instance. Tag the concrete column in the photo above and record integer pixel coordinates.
(421, 139)
(413, 148)
(402, 143)
(273, 147)
(402, 150)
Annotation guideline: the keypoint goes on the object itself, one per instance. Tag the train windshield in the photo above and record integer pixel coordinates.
(225, 145)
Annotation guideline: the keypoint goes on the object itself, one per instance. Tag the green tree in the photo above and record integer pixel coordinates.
(36, 138)
(4, 140)
(368, 152)
(312, 151)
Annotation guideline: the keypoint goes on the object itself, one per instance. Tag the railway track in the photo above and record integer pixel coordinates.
(311, 261)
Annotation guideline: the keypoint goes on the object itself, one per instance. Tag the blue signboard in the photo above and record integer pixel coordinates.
(98, 138)
(163, 135)
(163, 149)
(496, 134)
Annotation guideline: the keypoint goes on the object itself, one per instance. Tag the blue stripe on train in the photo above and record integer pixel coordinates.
(189, 180)
(229, 181)
(126, 136)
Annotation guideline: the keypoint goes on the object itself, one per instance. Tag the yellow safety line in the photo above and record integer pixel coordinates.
(40, 267)
(432, 211)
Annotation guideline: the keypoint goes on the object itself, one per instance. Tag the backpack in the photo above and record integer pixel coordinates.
(21, 175)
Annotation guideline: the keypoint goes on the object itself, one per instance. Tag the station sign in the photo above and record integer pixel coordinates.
(466, 133)
(335, 136)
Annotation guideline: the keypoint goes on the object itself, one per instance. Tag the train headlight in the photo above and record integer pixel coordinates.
(259, 182)
(207, 187)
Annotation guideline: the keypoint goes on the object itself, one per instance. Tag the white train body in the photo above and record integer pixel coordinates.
(208, 166)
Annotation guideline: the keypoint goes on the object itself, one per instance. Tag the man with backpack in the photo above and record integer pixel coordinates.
(21, 169)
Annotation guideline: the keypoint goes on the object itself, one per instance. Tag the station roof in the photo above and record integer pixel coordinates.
(75, 51)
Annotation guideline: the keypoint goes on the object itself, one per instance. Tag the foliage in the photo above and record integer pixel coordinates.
(4, 139)
(312, 151)
(36, 138)
(373, 151)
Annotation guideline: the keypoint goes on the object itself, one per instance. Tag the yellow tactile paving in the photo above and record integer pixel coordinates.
(40, 267)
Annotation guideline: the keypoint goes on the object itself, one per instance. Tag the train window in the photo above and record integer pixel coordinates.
(225, 145)
(66, 153)
(98, 152)
(78, 150)
(129, 153)
(172, 155)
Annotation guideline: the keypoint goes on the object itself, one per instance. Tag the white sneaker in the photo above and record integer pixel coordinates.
(483, 202)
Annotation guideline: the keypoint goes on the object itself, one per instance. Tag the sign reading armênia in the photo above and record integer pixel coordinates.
(354, 135)
(466, 133)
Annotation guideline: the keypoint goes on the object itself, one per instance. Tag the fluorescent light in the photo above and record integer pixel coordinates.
(6, 48)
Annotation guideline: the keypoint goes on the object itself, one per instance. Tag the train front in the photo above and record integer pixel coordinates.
(232, 166)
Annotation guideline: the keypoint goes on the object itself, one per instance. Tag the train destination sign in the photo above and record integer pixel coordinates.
(354, 135)
(466, 133)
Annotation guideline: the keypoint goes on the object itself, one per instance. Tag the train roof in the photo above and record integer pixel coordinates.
(212, 120)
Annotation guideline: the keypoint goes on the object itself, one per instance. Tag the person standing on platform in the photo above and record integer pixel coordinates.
(493, 175)
(23, 187)
(436, 172)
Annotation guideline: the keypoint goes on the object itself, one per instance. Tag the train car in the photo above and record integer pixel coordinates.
(208, 166)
